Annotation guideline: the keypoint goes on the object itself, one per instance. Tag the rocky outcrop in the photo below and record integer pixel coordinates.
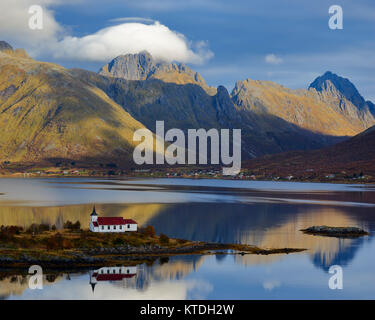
(130, 66)
(6, 48)
(340, 232)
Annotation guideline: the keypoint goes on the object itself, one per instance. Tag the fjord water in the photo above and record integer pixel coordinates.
(266, 214)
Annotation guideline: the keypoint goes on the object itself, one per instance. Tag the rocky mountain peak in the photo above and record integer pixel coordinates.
(142, 66)
(130, 66)
(330, 81)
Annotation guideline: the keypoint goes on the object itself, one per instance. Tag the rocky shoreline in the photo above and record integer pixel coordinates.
(82, 257)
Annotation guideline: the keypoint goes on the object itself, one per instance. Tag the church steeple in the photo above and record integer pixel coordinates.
(92, 280)
(93, 286)
(93, 213)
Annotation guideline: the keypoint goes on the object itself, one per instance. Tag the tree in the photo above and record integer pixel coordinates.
(72, 226)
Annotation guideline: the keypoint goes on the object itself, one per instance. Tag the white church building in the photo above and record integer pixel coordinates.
(111, 224)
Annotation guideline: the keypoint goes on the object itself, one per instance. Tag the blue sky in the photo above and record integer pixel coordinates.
(235, 36)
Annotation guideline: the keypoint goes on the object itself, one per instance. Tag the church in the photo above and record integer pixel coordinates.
(111, 224)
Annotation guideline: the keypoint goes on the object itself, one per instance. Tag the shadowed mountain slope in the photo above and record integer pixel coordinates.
(353, 156)
(189, 106)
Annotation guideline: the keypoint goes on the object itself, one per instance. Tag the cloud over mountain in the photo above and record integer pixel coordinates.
(163, 44)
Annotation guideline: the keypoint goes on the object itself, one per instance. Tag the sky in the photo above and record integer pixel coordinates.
(286, 41)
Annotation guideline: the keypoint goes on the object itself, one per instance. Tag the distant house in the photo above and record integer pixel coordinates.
(111, 224)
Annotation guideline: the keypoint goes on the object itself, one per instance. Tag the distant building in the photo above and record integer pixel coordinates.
(111, 224)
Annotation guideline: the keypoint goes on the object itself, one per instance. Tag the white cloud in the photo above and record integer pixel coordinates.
(163, 44)
(14, 22)
(273, 59)
(131, 35)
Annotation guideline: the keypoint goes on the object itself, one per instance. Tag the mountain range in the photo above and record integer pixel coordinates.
(49, 113)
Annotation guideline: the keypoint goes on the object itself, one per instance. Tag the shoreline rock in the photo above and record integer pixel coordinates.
(113, 255)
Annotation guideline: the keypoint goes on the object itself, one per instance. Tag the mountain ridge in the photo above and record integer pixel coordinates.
(88, 115)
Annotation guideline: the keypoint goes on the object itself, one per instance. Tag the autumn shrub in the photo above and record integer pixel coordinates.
(55, 242)
(67, 244)
(182, 241)
(148, 231)
(164, 239)
(44, 227)
(72, 226)
(8, 232)
(38, 228)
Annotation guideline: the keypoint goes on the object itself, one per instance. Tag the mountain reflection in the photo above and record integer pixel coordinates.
(139, 277)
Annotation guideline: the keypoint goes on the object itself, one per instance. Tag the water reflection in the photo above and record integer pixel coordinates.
(265, 225)
(140, 279)
(214, 211)
(126, 275)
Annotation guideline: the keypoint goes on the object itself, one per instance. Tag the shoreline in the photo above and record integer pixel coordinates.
(85, 249)
(122, 177)
(115, 256)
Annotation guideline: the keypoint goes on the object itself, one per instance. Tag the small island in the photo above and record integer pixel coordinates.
(76, 247)
(339, 232)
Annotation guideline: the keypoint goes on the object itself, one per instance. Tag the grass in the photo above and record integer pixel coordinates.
(84, 239)
(78, 247)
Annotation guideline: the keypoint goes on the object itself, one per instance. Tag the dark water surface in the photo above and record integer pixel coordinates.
(267, 214)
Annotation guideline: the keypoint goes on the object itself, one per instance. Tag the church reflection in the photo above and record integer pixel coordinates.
(122, 274)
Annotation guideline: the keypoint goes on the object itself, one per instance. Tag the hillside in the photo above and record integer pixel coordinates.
(47, 115)
(326, 112)
(354, 157)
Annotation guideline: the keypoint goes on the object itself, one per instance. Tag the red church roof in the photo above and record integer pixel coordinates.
(112, 277)
(130, 221)
(105, 221)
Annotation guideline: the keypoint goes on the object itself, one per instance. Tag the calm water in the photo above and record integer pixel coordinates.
(267, 214)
